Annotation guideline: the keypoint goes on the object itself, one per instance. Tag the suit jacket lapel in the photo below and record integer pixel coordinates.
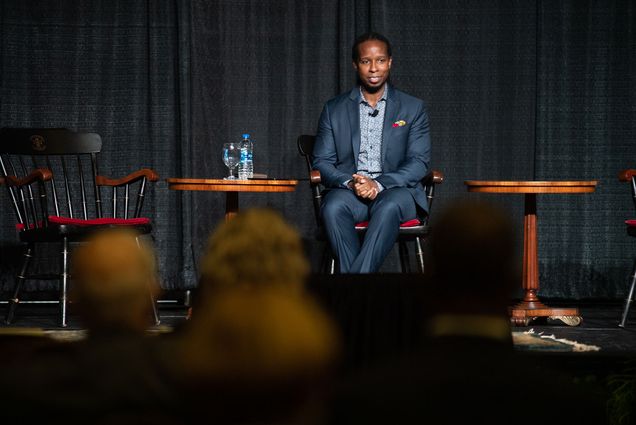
(390, 116)
(354, 122)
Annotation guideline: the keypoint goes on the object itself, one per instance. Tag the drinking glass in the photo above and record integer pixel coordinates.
(231, 157)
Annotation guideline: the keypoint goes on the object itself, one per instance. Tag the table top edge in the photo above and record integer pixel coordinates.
(201, 181)
(530, 183)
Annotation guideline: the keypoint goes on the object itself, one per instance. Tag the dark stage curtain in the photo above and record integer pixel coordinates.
(515, 89)
(121, 69)
(586, 129)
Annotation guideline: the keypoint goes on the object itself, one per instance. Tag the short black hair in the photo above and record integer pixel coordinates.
(355, 52)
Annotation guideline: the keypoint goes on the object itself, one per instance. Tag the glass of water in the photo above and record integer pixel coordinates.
(231, 157)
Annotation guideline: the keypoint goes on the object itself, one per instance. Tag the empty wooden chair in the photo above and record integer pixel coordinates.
(56, 192)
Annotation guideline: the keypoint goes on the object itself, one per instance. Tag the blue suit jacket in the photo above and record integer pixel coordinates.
(406, 149)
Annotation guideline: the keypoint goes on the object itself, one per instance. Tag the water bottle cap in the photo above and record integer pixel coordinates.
(246, 136)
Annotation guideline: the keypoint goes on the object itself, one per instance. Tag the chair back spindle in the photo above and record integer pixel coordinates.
(139, 203)
(96, 191)
(53, 188)
(12, 192)
(634, 190)
(126, 193)
(67, 189)
(82, 187)
(29, 199)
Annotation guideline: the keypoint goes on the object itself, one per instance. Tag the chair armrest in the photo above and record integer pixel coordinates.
(42, 174)
(314, 177)
(626, 175)
(438, 177)
(148, 173)
(434, 177)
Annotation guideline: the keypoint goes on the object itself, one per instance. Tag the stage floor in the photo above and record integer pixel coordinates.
(598, 329)
(45, 315)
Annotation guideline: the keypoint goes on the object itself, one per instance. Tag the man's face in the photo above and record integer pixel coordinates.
(373, 66)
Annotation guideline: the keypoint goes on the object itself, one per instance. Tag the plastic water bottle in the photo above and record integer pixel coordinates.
(246, 165)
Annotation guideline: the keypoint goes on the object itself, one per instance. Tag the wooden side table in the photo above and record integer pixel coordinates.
(232, 188)
(531, 307)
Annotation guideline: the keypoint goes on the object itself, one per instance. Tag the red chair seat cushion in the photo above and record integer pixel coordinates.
(100, 221)
(409, 223)
(53, 219)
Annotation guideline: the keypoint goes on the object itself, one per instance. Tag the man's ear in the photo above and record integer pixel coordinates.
(355, 65)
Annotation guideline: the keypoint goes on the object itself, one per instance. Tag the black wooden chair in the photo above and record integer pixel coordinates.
(56, 191)
(412, 231)
(629, 176)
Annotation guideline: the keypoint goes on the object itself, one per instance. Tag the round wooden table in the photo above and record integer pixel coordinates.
(232, 188)
(531, 307)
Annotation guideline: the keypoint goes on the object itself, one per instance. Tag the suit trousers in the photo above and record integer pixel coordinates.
(342, 209)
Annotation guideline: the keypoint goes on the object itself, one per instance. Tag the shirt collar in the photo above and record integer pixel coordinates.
(382, 98)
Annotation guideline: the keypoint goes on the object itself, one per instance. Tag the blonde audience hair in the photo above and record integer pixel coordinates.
(255, 248)
(114, 277)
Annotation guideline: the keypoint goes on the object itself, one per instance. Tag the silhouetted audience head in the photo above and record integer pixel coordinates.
(474, 255)
(257, 348)
(255, 248)
(258, 354)
(113, 279)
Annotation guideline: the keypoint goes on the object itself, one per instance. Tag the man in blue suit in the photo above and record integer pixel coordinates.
(372, 150)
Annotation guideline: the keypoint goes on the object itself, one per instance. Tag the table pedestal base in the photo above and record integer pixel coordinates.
(524, 312)
(531, 308)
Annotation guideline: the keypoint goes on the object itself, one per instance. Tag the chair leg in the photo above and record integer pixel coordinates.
(153, 302)
(324, 261)
(404, 257)
(13, 302)
(327, 262)
(155, 312)
(419, 254)
(630, 297)
(64, 284)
